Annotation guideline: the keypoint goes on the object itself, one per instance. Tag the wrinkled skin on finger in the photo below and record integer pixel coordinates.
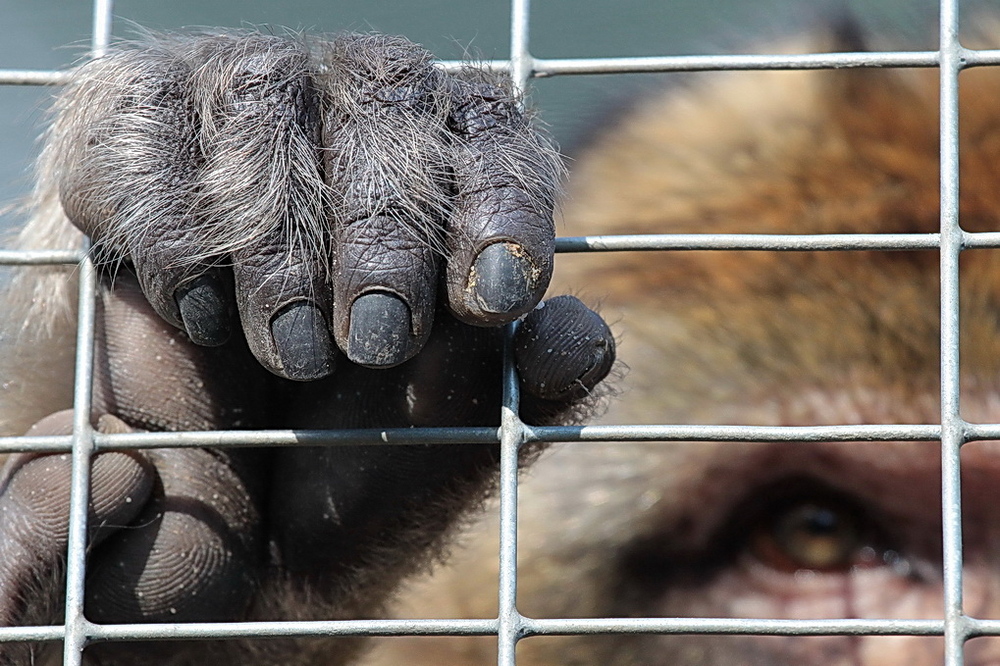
(323, 189)
(292, 234)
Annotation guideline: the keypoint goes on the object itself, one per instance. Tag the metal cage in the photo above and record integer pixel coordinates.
(510, 626)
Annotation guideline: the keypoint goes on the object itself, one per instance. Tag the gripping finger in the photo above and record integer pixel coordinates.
(126, 142)
(193, 552)
(34, 514)
(384, 160)
(500, 235)
(263, 194)
(563, 350)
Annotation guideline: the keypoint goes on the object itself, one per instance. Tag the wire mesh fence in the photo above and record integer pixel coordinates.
(510, 626)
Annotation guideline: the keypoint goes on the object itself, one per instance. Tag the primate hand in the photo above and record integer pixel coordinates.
(322, 191)
(334, 184)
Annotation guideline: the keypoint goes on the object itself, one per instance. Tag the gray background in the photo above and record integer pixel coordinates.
(40, 34)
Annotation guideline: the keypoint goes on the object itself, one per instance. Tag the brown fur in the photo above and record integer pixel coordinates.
(793, 338)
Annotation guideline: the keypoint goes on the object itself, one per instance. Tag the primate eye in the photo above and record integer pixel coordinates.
(822, 535)
(804, 524)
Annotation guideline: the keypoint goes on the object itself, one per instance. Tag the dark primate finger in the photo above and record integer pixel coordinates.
(34, 512)
(284, 304)
(563, 349)
(500, 234)
(192, 554)
(384, 161)
(263, 193)
(385, 298)
(127, 141)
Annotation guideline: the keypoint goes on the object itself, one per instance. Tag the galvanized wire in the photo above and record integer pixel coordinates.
(952, 426)
(76, 625)
(510, 626)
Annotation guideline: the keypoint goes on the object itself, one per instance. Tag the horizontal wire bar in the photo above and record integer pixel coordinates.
(221, 630)
(37, 444)
(480, 435)
(33, 77)
(770, 242)
(977, 432)
(30, 634)
(979, 240)
(543, 68)
(257, 438)
(486, 627)
(654, 242)
(705, 63)
(985, 240)
(40, 257)
(734, 433)
(735, 626)
(977, 627)
(546, 67)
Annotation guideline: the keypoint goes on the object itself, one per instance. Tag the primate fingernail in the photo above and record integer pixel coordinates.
(380, 330)
(204, 310)
(303, 341)
(504, 279)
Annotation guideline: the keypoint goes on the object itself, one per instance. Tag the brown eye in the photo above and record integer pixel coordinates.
(817, 535)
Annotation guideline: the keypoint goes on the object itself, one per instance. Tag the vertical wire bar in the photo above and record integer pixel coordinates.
(952, 427)
(101, 31)
(510, 623)
(521, 63)
(76, 627)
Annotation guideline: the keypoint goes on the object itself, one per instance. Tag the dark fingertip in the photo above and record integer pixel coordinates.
(303, 341)
(204, 310)
(504, 279)
(602, 359)
(563, 349)
(380, 330)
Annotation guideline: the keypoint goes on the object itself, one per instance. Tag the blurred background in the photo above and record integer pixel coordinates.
(43, 34)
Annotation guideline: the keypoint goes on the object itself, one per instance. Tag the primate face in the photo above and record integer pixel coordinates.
(797, 530)
(784, 531)
(793, 530)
